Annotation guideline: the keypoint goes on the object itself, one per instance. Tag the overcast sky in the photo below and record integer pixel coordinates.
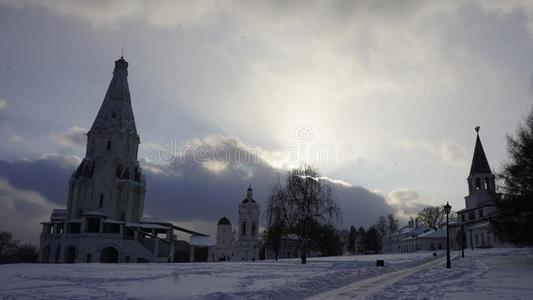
(390, 90)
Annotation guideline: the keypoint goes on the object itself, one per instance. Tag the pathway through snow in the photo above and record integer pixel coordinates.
(365, 288)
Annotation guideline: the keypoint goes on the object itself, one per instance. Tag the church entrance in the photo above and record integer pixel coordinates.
(109, 255)
(70, 255)
(200, 254)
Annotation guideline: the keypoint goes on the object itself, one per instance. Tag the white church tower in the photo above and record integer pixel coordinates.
(109, 180)
(248, 241)
(481, 203)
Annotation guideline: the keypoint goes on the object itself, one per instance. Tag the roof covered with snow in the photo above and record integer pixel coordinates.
(200, 240)
(440, 233)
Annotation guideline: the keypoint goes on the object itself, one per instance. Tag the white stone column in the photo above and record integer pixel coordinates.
(130, 206)
(156, 249)
(172, 250)
(191, 258)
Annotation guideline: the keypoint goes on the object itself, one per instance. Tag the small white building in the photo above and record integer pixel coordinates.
(244, 246)
(415, 237)
(405, 240)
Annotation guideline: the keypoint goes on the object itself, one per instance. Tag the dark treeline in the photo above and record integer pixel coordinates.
(12, 251)
(515, 221)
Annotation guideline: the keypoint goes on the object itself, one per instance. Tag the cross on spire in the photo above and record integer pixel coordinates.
(477, 129)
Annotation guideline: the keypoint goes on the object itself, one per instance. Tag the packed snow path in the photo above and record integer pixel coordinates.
(368, 287)
(482, 274)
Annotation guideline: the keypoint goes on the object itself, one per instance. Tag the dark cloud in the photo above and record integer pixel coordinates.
(48, 175)
(190, 189)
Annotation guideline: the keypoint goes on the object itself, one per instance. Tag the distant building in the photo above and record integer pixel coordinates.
(481, 205)
(245, 246)
(103, 221)
(405, 239)
(474, 222)
(415, 237)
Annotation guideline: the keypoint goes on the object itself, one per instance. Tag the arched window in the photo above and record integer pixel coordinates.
(486, 183)
(101, 203)
(253, 229)
(243, 231)
(478, 184)
(108, 145)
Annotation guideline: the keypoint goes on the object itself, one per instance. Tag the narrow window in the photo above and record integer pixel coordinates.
(113, 115)
(486, 183)
(243, 232)
(88, 258)
(122, 216)
(253, 229)
(101, 203)
(481, 213)
(108, 145)
(478, 184)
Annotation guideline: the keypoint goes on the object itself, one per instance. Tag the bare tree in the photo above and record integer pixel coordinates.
(276, 224)
(352, 240)
(392, 223)
(304, 200)
(381, 230)
(432, 216)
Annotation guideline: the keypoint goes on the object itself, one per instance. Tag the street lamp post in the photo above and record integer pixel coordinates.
(447, 209)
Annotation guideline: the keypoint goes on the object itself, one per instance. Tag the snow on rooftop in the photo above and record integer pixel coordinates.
(154, 220)
(146, 226)
(94, 213)
(113, 221)
(199, 240)
(481, 225)
(441, 233)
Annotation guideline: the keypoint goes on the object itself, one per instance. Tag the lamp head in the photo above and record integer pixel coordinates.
(447, 208)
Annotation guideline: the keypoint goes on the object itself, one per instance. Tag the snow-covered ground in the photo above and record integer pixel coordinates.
(482, 274)
(404, 276)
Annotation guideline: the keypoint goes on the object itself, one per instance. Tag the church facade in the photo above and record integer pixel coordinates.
(475, 221)
(103, 220)
(474, 224)
(243, 246)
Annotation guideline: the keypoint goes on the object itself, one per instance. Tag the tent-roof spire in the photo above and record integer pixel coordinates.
(116, 111)
(480, 164)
